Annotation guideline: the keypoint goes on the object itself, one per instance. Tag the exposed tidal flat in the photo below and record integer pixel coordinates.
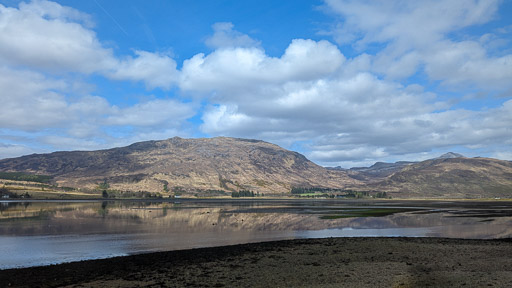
(332, 262)
(213, 243)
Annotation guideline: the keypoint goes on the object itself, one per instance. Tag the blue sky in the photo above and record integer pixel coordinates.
(344, 82)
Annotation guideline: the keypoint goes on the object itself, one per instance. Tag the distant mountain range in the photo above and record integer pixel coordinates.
(377, 170)
(381, 169)
(231, 164)
(458, 177)
(450, 175)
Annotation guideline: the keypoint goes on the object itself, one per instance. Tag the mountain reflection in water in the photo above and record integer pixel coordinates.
(40, 233)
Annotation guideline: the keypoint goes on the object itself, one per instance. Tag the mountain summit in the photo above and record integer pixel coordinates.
(450, 155)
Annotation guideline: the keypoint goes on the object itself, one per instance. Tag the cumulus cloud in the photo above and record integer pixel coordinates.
(415, 35)
(56, 39)
(156, 70)
(417, 134)
(44, 35)
(336, 115)
(33, 102)
(241, 68)
(30, 101)
(36, 104)
(408, 23)
(325, 103)
(346, 113)
(467, 62)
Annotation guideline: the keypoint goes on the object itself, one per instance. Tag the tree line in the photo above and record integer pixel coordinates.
(19, 176)
(332, 193)
(245, 193)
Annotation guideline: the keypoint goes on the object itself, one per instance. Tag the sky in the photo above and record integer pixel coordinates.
(346, 83)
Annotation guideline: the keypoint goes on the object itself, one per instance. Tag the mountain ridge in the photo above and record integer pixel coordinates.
(458, 177)
(383, 169)
(219, 163)
(450, 155)
(224, 164)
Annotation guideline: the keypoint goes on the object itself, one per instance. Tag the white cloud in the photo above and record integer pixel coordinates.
(362, 108)
(32, 101)
(467, 62)
(42, 35)
(90, 105)
(156, 70)
(503, 155)
(53, 10)
(416, 35)
(56, 39)
(240, 68)
(225, 119)
(29, 100)
(347, 115)
(408, 23)
(224, 36)
(408, 137)
(322, 105)
(38, 104)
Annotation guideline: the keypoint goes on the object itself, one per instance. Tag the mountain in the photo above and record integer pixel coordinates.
(450, 177)
(193, 166)
(377, 170)
(221, 163)
(381, 170)
(450, 155)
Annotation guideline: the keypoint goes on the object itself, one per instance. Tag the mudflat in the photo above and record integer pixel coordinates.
(331, 262)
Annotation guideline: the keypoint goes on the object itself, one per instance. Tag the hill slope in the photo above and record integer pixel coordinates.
(458, 177)
(210, 163)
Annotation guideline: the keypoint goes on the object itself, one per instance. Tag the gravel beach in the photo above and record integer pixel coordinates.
(332, 262)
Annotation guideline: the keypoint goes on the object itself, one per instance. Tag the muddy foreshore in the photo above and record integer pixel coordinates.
(332, 262)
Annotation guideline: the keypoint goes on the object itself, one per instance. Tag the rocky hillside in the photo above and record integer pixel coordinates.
(221, 163)
(450, 177)
(229, 164)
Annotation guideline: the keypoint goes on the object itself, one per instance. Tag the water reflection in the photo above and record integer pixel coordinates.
(38, 233)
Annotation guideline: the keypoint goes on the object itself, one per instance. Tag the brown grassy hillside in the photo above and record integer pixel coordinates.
(210, 163)
(451, 178)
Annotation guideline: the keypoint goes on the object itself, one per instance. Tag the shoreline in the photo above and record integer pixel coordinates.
(260, 199)
(327, 262)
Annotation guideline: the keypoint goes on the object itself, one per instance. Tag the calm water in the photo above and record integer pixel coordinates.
(42, 233)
